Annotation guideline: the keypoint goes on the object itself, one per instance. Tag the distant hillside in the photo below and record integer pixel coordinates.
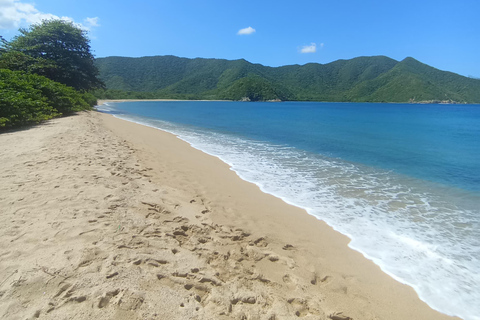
(362, 79)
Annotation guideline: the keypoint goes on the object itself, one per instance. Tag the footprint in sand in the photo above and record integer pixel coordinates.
(131, 300)
(300, 306)
(260, 242)
(339, 316)
(105, 299)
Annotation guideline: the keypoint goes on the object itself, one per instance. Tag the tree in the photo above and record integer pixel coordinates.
(66, 46)
(17, 61)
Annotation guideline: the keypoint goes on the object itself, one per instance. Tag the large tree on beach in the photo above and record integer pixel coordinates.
(65, 45)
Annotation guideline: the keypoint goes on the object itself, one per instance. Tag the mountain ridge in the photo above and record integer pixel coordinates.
(361, 79)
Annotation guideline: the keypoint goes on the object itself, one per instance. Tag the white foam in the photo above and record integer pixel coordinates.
(105, 108)
(426, 241)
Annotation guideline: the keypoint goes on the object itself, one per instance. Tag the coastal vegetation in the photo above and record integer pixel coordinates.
(45, 72)
(362, 79)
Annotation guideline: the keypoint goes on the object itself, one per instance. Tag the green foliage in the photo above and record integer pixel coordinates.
(411, 80)
(253, 88)
(89, 98)
(360, 79)
(61, 44)
(30, 98)
(17, 61)
(20, 101)
(41, 71)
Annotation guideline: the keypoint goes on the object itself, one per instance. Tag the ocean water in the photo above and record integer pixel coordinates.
(401, 180)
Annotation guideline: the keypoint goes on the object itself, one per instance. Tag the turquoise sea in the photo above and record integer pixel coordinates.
(401, 180)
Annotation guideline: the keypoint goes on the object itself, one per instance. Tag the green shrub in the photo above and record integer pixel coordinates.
(30, 98)
(90, 99)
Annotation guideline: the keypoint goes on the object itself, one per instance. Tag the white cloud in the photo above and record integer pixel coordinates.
(14, 14)
(312, 48)
(89, 23)
(245, 31)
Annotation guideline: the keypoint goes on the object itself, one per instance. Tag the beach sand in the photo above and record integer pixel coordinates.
(106, 219)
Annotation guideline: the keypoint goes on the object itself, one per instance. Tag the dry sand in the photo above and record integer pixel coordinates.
(106, 219)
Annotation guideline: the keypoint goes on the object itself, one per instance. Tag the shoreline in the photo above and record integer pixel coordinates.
(305, 210)
(102, 101)
(276, 259)
(299, 210)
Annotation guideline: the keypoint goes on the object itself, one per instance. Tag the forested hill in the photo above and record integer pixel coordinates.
(375, 79)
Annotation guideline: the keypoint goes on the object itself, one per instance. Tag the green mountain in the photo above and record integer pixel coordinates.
(362, 79)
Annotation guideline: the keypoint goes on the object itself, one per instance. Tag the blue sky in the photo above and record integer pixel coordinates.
(443, 34)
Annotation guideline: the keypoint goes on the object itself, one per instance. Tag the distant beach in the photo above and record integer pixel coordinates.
(104, 218)
(101, 102)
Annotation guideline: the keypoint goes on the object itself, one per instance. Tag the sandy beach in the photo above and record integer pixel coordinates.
(107, 219)
(100, 102)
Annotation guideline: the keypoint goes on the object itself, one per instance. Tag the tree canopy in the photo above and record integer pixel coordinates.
(45, 72)
(60, 50)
